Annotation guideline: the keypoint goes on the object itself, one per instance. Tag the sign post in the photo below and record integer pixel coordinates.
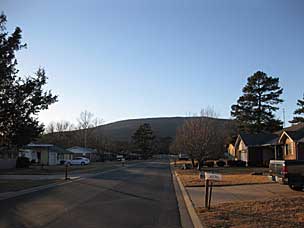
(209, 179)
(66, 172)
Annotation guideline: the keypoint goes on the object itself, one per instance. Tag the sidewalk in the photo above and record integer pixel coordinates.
(240, 193)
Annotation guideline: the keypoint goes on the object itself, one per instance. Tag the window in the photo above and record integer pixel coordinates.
(288, 149)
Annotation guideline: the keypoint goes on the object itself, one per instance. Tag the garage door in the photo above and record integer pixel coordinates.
(52, 158)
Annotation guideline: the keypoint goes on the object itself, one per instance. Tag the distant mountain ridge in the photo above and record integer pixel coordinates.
(162, 127)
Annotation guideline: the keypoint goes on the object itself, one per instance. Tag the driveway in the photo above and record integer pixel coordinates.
(240, 193)
(138, 196)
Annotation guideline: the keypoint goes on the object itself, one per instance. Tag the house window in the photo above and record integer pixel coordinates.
(288, 149)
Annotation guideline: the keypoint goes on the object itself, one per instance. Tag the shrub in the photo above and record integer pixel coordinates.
(231, 163)
(220, 163)
(23, 162)
(236, 163)
(209, 164)
(240, 163)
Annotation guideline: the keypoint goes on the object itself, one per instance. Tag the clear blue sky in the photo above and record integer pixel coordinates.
(148, 58)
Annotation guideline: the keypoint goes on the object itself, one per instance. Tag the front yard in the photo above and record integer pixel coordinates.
(60, 169)
(231, 176)
(277, 212)
(243, 200)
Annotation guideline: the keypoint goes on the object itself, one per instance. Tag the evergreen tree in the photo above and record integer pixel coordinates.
(21, 99)
(143, 139)
(255, 109)
(298, 112)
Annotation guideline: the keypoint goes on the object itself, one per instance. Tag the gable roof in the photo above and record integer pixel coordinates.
(260, 139)
(296, 135)
(53, 147)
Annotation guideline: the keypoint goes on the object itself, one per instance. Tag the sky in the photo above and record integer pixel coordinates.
(123, 59)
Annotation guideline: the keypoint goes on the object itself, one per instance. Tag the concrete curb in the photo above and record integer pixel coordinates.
(193, 215)
(185, 219)
(8, 195)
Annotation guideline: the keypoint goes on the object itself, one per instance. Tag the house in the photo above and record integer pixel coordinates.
(230, 151)
(292, 144)
(256, 149)
(259, 149)
(84, 152)
(47, 154)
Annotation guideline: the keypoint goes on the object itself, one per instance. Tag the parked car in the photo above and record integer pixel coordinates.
(290, 172)
(78, 161)
(183, 157)
(119, 157)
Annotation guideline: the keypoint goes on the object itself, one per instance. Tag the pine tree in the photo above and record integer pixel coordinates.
(143, 139)
(255, 109)
(21, 98)
(299, 112)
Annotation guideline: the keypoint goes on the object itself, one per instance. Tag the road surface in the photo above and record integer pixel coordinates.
(138, 196)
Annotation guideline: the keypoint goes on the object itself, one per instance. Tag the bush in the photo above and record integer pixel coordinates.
(209, 164)
(220, 163)
(240, 163)
(23, 162)
(231, 163)
(236, 163)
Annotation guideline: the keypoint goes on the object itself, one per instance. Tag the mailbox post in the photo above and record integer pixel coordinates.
(66, 171)
(209, 179)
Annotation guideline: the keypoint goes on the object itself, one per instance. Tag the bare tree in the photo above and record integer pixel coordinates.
(199, 137)
(51, 128)
(87, 126)
(63, 125)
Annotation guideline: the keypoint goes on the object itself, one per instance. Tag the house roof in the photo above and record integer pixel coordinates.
(39, 145)
(54, 147)
(259, 139)
(295, 127)
(81, 150)
(296, 135)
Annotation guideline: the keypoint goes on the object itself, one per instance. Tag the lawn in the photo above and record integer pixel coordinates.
(278, 212)
(60, 169)
(231, 176)
(16, 185)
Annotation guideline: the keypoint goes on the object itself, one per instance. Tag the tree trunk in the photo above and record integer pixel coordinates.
(192, 161)
(199, 166)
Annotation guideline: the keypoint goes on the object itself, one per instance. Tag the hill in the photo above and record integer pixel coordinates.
(162, 127)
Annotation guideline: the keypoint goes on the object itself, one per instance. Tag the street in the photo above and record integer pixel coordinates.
(141, 195)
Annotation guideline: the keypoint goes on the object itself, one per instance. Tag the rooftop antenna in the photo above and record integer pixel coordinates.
(283, 117)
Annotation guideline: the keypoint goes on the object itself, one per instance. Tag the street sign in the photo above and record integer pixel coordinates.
(213, 176)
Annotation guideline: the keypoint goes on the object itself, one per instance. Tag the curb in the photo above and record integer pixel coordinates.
(8, 195)
(192, 213)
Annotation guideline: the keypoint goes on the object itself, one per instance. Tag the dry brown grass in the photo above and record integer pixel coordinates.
(278, 212)
(190, 178)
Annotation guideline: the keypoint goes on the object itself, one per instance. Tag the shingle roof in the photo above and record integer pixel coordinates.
(296, 135)
(295, 127)
(259, 139)
(52, 146)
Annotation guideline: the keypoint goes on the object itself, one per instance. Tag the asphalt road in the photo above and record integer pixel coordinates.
(137, 196)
